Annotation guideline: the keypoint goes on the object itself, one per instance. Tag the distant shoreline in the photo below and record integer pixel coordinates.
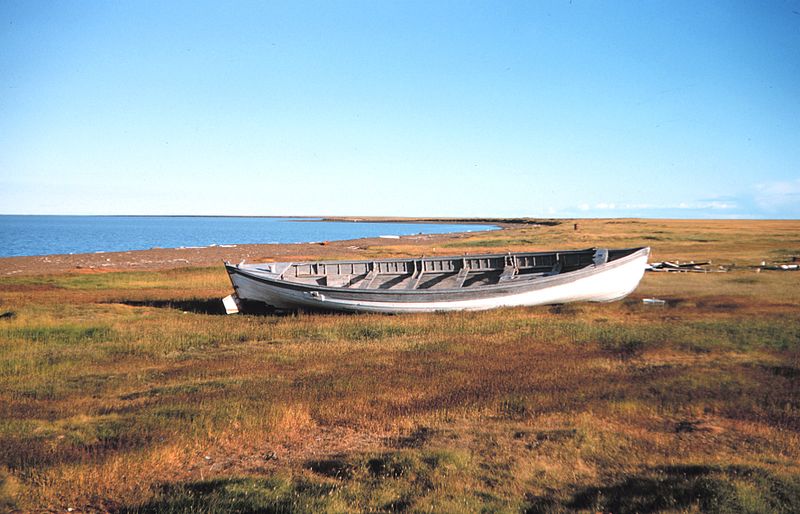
(493, 221)
(166, 258)
(52, 235)
(321, 218)
(723, 241)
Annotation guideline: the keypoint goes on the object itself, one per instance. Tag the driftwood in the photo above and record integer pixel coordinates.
(706, 267)
(686, 267)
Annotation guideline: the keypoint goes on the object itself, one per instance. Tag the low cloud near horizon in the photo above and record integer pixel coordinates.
(777, 199)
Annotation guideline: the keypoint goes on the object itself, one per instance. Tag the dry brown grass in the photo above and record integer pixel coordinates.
(129, 392)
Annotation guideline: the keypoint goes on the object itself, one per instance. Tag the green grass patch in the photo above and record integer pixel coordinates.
(695, 487)
(491, 243)
(388, 482)
(244, 495)
(61, 335)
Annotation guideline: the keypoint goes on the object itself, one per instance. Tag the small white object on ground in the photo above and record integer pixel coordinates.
(231, 303)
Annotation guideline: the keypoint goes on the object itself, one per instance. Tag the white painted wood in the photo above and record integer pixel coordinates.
(231, 304)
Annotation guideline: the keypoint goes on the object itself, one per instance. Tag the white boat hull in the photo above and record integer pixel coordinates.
(602, 282)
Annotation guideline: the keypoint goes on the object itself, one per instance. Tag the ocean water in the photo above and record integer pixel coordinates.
(47, 235)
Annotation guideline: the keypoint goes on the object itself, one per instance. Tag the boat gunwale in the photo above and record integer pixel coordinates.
(443, 257)
(570, 275)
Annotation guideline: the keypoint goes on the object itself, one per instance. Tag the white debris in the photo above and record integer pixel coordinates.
(231, 303)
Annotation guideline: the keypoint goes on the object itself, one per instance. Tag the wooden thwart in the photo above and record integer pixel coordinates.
(508, 273)
(461, 277)
(369, 279)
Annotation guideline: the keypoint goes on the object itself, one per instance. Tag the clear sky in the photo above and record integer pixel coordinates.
(430, 108)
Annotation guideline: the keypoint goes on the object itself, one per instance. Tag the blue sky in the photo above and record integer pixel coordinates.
(588, 109)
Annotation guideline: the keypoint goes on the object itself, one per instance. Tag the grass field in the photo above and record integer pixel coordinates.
(131, 392)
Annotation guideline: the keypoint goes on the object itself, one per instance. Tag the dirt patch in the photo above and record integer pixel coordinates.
(720, 304)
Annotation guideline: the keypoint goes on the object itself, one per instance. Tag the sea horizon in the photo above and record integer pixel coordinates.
(54, 234)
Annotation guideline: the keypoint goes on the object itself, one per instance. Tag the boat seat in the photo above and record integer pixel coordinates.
(368, 279)
(415, 280)
(555, 270)
(509, 272)
(337, 280)
(461, 277)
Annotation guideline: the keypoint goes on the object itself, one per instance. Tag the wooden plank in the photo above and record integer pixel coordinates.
(508, 273)
(369, 279)
(417, 275)
(337, 280)
(555, 270)
(462, 277)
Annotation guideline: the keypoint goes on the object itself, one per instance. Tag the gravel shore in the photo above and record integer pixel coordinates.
(165, 258)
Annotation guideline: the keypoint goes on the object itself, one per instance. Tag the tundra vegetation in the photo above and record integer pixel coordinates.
(132, 392)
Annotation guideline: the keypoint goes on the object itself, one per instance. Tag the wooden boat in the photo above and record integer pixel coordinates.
(468, 282)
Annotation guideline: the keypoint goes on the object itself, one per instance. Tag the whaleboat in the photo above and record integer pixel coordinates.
(428, 284)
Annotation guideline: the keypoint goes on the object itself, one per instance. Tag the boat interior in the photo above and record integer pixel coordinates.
(439, 272)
